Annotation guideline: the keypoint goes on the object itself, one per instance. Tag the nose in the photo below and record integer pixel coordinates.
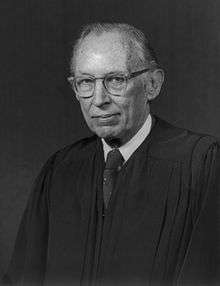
(100, 94)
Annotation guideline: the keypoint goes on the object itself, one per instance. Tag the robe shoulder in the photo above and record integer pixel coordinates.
(76, 151)
(85, 145)
(177, 144)
(73, 153)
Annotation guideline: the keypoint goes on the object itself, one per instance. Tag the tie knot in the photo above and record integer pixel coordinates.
(114, 159)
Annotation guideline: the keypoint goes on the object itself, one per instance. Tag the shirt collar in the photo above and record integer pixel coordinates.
(128, 148)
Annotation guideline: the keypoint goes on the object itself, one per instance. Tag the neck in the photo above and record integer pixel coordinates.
(114, 142)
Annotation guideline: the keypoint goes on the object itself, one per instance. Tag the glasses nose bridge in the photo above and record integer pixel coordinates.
(101, 79)
(100, 92)
(102, 82)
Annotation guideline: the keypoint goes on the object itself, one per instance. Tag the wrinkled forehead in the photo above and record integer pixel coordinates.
(107, 49)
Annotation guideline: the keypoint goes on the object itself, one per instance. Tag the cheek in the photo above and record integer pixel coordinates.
(134, 110)
(127, 115)
(135, 102)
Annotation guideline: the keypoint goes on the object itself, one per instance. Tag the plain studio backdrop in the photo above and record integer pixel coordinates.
(39, 113)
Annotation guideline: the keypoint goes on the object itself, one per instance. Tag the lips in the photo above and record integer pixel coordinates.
(104, 115)
(106, 119)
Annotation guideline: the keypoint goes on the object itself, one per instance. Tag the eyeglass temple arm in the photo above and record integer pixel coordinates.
(134, 74)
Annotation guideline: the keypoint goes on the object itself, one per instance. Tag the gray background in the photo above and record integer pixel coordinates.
(38, 111)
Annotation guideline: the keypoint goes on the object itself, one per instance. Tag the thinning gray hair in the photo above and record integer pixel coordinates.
(139, 50)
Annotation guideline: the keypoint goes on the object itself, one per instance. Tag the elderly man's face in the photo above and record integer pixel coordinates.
(107, 115)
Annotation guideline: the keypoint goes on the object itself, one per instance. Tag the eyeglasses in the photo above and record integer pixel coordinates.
(114, 83)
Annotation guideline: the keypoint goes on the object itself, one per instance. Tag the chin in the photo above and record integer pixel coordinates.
(107, 132)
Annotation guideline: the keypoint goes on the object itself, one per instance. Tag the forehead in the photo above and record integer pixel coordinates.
(101, 54)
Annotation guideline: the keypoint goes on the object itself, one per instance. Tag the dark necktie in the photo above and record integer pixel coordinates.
(113, 165)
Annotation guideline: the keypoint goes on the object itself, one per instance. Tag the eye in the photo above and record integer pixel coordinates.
(84, 84)
(84, 81)
(115, 80)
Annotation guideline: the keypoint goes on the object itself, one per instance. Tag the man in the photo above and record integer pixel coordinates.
(136, 204)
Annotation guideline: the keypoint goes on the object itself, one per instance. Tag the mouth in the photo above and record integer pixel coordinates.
(106, 119)
(103, 116)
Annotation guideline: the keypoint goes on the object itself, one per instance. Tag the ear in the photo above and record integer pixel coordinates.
(77, 97)
(154, 83)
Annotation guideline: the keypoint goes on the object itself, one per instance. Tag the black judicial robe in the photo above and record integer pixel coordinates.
(161, 226)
